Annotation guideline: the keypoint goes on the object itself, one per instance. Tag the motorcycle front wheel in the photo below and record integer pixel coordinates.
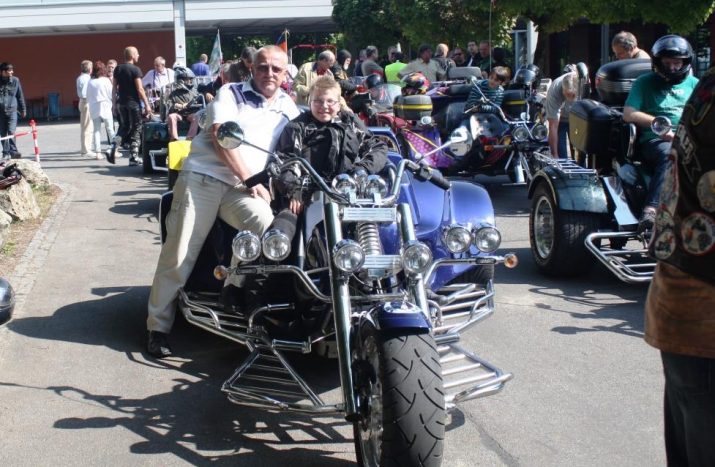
(401, 406)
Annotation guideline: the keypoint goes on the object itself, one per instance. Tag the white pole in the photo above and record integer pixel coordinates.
(180, 32)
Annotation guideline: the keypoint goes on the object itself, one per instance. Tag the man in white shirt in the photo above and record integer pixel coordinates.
(156, 79)
(211, 183)
(86, 129)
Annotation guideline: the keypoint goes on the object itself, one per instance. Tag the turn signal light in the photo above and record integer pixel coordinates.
(220, 272)
(511, 261)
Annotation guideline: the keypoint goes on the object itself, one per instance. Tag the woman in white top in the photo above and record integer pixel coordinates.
(99, 100)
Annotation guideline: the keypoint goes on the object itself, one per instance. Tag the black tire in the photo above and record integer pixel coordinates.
(402, 376)
(557, 237)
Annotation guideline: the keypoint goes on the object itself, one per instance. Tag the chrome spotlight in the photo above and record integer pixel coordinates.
(348, 256)
(487, 239)
(246, 246)
(276, 245)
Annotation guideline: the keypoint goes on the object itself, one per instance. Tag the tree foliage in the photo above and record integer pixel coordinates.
(384, 22)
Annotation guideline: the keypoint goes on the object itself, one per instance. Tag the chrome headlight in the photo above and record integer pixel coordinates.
(348, 256)
(276, 245)
(375, 185)
(457, 238)
(460, 142)
(345, 184)
(487, 239)
(246, 246)
(540, 132)
(426, 120)
(520, 134)
(416, 257)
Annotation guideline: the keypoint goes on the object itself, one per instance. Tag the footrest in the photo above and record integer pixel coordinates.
(467, 376)
(629, 265)
(156, 153)
(266, 379)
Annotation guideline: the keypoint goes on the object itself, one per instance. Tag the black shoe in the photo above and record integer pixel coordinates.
(133, 159)
(112, 154)
(158, 344)
(647, 221)
(15, 155)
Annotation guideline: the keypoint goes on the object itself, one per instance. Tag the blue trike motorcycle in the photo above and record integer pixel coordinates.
(384, 273)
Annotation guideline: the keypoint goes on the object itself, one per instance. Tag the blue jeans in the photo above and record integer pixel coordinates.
(8, 125)
(563, 140)
(689, 410)
(654, 154)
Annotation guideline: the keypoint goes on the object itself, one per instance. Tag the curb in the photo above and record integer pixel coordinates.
(24, 276)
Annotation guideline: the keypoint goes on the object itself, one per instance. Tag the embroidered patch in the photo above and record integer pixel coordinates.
(664, 244)
(706, 191)
(698, 234)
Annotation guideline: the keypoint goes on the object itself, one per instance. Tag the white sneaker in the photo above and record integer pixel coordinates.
(99, 156)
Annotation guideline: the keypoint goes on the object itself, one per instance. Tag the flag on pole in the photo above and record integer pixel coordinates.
(216, 56)
(282, 41)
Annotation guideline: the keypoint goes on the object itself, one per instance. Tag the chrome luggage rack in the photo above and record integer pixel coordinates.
(565, 165)
(629, 265)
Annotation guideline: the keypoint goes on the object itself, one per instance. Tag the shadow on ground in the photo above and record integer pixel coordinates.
(193, 421)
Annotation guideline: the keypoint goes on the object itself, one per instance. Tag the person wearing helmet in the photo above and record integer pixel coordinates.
(415, 83)
(663, 92)
(182, 100)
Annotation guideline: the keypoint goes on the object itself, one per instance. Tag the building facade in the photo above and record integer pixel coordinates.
(46, 40)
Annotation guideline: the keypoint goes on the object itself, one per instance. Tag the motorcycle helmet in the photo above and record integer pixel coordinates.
(184, 77)
(527, 76)
(373, 81)
(415, 83)
(672, 46)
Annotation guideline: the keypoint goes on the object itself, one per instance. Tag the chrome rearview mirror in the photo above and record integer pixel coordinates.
(661, 125)
(230, 135)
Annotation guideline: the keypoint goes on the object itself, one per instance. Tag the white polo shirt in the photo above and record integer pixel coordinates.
(262, 122)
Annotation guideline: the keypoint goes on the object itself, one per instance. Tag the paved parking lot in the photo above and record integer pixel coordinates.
(76, 388)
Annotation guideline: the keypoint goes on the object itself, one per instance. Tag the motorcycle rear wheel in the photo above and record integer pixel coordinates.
(400, 399)
(557, 236)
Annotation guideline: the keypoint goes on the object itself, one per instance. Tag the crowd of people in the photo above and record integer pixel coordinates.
(211, 184)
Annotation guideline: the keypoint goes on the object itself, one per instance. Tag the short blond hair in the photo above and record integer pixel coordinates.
(322, 84)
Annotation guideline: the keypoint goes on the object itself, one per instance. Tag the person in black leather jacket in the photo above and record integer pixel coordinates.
(12, 102)
(332, 140)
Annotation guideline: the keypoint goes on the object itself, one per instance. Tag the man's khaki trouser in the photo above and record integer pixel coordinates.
(198, 199)
(86, 128)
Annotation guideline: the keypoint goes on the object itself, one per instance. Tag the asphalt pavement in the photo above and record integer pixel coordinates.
(76, 387)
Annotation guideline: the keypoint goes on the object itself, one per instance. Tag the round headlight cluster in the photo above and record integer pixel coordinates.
(345, 184)
(375, 185)
(520, 134)
(487, 239)
(416, 257)
(457, 238)
(246, 246)
(540, 132)
(348, 256)
(276, 245)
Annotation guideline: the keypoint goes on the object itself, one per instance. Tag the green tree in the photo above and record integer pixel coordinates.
(459, 21)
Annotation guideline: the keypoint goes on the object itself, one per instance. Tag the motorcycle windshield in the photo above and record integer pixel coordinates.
(384, 95)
